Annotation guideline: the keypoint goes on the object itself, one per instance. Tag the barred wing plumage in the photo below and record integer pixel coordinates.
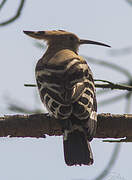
(66, 87)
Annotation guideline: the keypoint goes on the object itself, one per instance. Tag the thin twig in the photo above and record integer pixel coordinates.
(109, 82)
(30, 85)
(109, 65)
(18, 13)
(110, 164)
(117, 145)
(19, 108)
(109, 85)
(2, 3)
(130, 2)
(114, 86)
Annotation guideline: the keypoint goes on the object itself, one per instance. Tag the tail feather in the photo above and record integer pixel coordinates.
(77, 149)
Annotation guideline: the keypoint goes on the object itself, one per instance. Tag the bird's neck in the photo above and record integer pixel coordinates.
(52, 50)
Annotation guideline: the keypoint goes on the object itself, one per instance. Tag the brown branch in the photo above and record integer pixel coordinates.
(37, 125)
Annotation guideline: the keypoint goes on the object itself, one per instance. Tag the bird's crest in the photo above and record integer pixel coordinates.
(61, 35)
(47, 34)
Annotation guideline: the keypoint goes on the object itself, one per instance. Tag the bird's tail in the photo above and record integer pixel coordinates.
(77, 149)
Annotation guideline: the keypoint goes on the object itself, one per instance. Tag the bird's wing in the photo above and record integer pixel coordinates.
(80, 91)
(78, 79)
(64, 82)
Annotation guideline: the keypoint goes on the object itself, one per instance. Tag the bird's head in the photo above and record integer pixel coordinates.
(61, 38)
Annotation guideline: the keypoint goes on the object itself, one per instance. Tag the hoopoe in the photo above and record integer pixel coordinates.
(66, 87)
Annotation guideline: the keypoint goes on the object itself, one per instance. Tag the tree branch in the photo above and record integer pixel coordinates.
(108, 64)
(109, 85)
(37, 125)
(2, 4)
(18, 13)
(129, 1)
(112, 85)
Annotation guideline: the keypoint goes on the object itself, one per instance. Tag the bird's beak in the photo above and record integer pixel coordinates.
(35, 34)
(83, 41)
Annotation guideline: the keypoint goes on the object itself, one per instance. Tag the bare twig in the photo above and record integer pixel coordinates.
(110, 164)
(117, 145)
(2, 3)
(130, 2)
(30, 85)
(109, 85)
(20, 108)
(113, 66)
(112, 85)
(18, 13)
(106, 81)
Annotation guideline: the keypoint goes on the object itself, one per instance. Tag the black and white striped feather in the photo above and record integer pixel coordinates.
(67, 89)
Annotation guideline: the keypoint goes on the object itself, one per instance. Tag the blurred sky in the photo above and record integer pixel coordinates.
(105, 21)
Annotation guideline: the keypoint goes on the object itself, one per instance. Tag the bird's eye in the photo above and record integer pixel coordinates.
(71, 38)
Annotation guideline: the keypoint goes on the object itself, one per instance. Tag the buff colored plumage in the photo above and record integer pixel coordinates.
(66, 88)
